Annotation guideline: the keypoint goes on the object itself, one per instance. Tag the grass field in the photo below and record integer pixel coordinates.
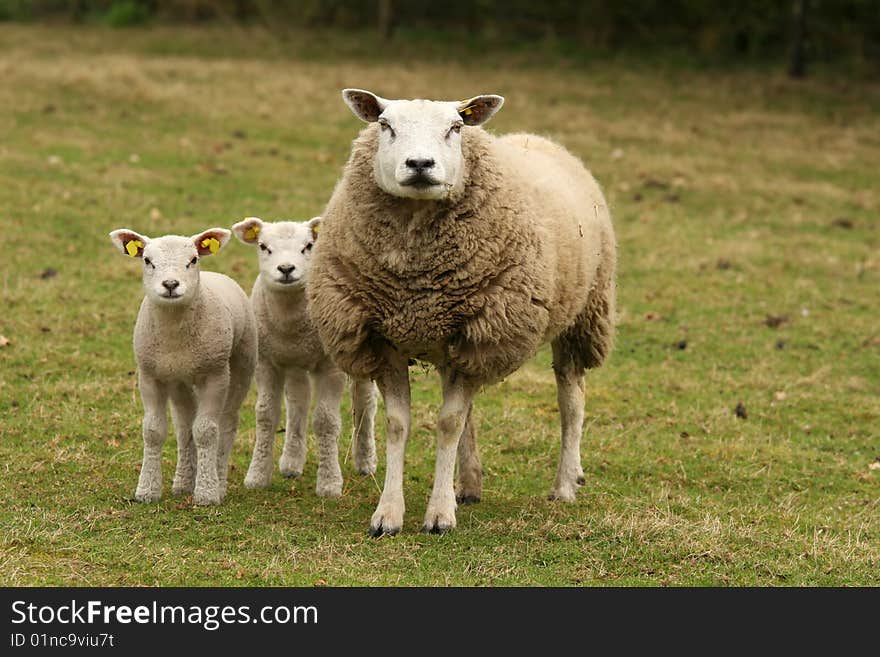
(746, 208)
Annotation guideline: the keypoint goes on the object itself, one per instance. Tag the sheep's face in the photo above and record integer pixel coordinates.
(285, 249)
(171, 263)
(419, 153)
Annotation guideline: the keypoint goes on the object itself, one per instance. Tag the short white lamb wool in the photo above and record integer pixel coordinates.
(195, 342)
(290, 354)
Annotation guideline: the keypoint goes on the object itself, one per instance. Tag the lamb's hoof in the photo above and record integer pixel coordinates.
(367, 468)
(329, 490)
(179, 490)
(206, 499)
(438, 520)
(467, 499)
(581, 480)
(255, 481)
(147, 497)
(561, 494)
(387, 520)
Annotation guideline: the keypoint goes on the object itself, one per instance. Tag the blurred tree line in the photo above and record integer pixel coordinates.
(804, 29)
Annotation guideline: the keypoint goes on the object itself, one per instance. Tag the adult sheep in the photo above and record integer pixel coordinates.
(445, 244)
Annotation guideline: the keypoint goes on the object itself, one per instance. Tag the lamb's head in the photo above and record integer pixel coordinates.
(419, 153)
(285, 249)
(171, 262)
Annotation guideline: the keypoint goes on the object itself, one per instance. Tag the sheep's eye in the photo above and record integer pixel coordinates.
(456, 128)
(384, 125)
(194, 260)
(263, 247)
(308, 247)
(147, 261)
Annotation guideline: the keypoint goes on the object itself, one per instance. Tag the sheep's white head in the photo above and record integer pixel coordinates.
(285, 249)
(171, 262)
(419, 154)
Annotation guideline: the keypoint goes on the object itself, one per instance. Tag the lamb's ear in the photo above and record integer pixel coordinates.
(315, 224)
(479, 109)
(247, 231)
(211, 241)
(129, 242)
(366, 106)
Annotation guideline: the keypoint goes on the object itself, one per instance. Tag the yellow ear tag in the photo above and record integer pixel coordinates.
(133, 246)
(468, 111)
(252, 232)
(211, 244)
(315, 229)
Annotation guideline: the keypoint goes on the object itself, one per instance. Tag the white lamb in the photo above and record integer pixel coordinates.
(195, 342)
(290, 354)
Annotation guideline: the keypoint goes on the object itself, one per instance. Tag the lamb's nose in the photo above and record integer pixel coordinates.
(420, 165)
(286, 269)
(170, 284)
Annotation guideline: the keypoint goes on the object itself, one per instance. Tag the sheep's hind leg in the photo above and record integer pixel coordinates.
(183, 412)
(470, 471)
(327, 423)
(363, 442)
(238, 390)
(297, 395)
(394, 386)
(458, 394)
(570, 395)
(155, 427)
(268, 411)
(206, 434)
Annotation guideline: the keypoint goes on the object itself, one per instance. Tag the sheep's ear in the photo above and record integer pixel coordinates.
(479, 109)
(211, 241)
(129, 242)
(247, 231)
(366, 106)
(315, 224)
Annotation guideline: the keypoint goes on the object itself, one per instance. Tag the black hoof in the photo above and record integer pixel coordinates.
(468, 499)
(436, 529)
(379, 532)
(291, 475)
(581, 480)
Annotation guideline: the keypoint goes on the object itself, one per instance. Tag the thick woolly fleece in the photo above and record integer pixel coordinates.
(522, 253)
(201, 356)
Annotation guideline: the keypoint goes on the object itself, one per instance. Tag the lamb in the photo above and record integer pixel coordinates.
(290, 354)
(444, 244)
(195, 342)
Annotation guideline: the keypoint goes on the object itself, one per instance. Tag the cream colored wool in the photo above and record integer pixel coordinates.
(292, 363)
(196, 349)
(520, 253)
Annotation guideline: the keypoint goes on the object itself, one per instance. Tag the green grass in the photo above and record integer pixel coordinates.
(729, 190)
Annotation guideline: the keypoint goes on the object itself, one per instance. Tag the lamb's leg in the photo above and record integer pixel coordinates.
(470, 471)
(268, 411)
(394, 386)
(363, 442)
(239, 385)
(570, 394)
(327, 423)
(458, 394)
(154, 396)
(211, 394)
(297, 395)
(183, 412)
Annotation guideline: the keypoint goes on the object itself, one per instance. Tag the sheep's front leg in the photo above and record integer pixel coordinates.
(154, 395)
(458, 393)
(363, 442)
(211, 395)
(394, 386)
(470, 471)
(297, 395)
(570, 395)
(183, 412)
(327, 423)
(268, 411)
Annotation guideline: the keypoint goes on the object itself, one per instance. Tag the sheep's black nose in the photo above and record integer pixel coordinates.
(419, 165)
(170, 284)
(286, 269)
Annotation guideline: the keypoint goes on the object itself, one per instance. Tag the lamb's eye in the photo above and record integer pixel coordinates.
(456, 128)
(194, 260)
(308, 247)
(147, 261)
(386, 127)
(265, 248)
